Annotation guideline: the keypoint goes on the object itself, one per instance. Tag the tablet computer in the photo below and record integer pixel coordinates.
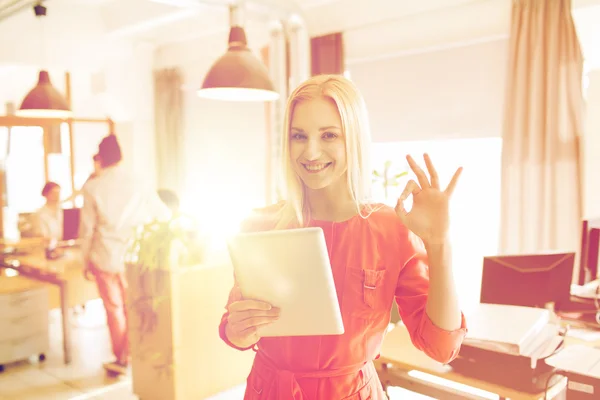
(289, 269)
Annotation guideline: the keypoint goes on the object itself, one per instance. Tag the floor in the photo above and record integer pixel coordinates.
(84, 378)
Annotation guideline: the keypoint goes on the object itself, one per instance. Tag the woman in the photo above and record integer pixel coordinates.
(377, 254)
(49, 218)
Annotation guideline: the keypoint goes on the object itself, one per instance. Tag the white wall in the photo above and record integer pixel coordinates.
(458, 92)
(407, 26)
(71, 35)
(130, 102)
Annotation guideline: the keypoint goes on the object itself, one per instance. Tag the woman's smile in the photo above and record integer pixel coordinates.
(314, 168)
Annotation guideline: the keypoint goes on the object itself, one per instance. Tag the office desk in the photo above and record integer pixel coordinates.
(399, 356)
(60, 273)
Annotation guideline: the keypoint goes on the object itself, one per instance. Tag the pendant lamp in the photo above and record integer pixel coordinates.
(238, 75)
(44, 101)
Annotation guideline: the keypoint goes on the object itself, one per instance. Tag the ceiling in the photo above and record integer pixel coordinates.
(372, 28)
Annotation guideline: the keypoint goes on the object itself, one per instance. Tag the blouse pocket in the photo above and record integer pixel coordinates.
(373, 287)
(364, 291)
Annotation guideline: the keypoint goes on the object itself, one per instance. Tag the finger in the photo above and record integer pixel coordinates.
(255, 321)
(243, 305)
(452, 185)
(238, 316)
(248, 333)
(252, 331)
(411, 188)
(435, 180)
(421, 176)
(401, 211)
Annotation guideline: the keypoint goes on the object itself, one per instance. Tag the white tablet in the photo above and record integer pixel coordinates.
(289, 269)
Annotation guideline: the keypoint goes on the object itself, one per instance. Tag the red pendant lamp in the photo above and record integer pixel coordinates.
(44, 101)
(238, 75)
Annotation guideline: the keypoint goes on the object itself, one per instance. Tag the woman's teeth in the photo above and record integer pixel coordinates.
(316, 167)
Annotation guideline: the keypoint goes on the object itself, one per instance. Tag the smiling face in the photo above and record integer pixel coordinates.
(317, 144)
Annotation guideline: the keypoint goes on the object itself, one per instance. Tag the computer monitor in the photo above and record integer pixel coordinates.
(71, 223)
(531, 280)
(588, 259)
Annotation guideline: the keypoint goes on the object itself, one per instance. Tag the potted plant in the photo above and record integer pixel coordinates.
(160, 255)
(387, 178)
(176, 297)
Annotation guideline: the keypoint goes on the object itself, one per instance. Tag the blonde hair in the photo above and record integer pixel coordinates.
(355, 126)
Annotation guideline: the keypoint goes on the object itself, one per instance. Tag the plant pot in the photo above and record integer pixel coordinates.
(176, 351)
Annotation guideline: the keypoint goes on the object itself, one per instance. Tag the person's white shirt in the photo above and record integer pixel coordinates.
(114, 204)
(48, 223)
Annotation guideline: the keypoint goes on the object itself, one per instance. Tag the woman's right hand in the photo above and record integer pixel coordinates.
(245, 316)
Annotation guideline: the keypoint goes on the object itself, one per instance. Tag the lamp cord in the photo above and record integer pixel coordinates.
(40, 11)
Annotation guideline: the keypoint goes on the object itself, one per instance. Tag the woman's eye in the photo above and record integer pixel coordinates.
(298, 136)
(329, 135)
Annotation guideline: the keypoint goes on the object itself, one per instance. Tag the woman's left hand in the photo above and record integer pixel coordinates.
(429, 217)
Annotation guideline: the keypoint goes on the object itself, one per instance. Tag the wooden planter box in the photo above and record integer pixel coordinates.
(182, 357)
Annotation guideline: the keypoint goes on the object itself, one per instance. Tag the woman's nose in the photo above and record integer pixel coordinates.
(313, 149)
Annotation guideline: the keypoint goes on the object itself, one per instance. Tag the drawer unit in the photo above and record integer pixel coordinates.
(23, 325)
(23, 348)
(16, 304)
(16, 327)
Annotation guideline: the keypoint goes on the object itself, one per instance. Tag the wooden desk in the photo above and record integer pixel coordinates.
(399, 356)
(62, 273)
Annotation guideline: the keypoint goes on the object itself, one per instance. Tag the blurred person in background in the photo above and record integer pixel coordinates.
(114, 204)
(48, 220)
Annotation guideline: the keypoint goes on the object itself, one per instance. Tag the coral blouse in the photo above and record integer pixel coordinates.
(374, 260)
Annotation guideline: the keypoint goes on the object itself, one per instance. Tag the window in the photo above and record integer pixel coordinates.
(24, 163)
(475, 205)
